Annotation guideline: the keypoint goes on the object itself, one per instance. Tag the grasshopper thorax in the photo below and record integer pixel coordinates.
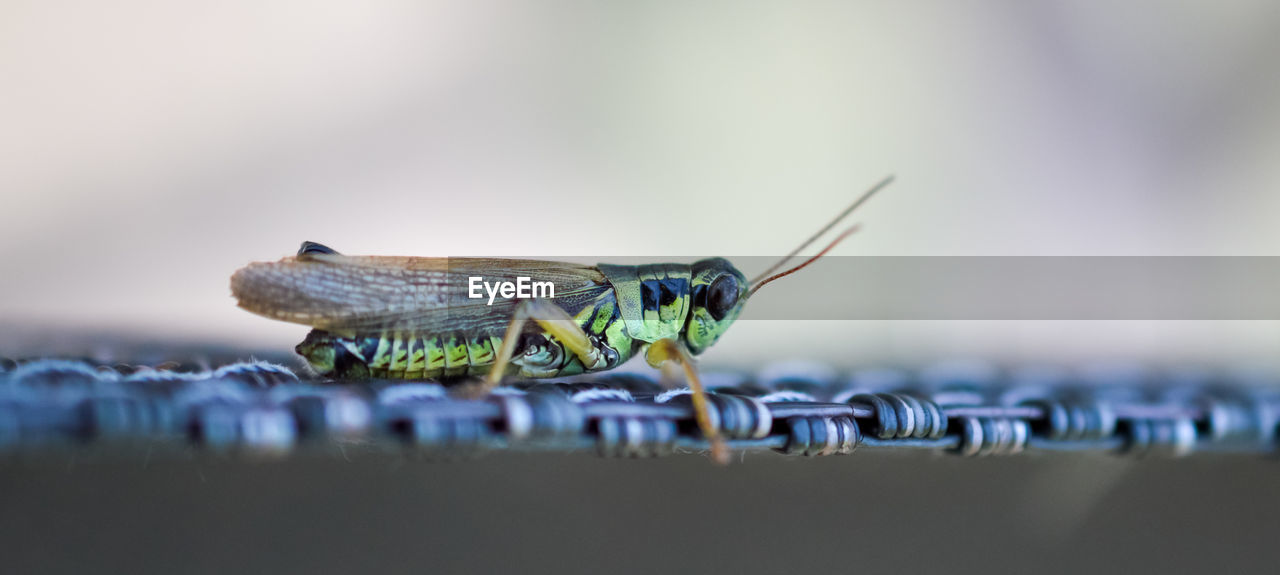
(718, 293)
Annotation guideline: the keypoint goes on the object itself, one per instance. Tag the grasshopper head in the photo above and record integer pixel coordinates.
(718, 292)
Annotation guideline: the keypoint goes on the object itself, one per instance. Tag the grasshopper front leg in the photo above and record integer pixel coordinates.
(669, 350)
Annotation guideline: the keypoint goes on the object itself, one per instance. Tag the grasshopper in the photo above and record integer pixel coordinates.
(419, 318)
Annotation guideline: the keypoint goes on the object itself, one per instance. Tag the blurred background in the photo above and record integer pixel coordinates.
(150, 149)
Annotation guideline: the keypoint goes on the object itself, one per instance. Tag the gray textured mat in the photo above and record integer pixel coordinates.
(265, 409)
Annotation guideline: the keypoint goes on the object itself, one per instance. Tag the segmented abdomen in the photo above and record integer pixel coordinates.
(413, 356)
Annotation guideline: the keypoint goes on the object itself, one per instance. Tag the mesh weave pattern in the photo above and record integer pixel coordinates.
(264, 408)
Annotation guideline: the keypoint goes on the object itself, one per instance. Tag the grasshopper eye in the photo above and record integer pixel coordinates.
(722, 296)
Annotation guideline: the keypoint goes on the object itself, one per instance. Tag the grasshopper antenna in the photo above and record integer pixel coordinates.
(756, 286)
(862, 199)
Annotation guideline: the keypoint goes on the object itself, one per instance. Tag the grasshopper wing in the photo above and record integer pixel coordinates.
(360, 294)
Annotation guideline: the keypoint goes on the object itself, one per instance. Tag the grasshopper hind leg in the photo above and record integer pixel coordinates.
(555, 322)
(559, 324)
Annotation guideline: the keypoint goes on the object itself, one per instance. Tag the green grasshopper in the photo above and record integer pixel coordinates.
(418, 318)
